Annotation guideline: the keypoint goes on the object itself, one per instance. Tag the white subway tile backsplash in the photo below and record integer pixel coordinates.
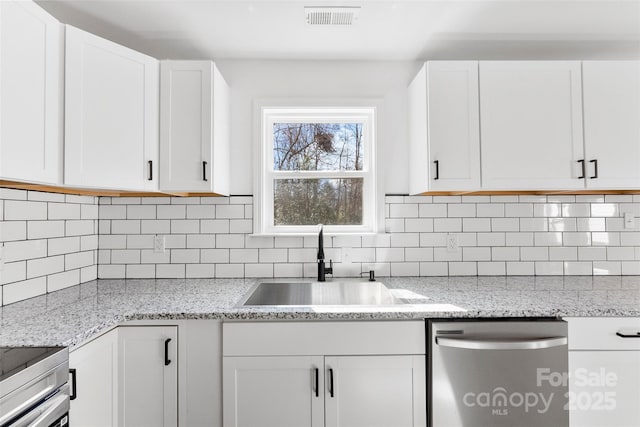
(19, 291)
(251, 256)
(200, 270)
(433, 239)
(125, 256)
(63, 280)
(80, 227)
(467, 210)
(389, 254)
(230, 211)
(44, 266)
(112, 212)
(434, 269)
(547, 210)
(620, 253)
(417, 225)
(562, 224)
(492, 239)
(149, 256)
(202, 211)
(125, 226)
(416, 254)
(214, 200)
(141, 212)
(185, 200)
(442, 254)
(403, 210)
(523, 268)
(604, 210)
(63, 211)
(89, 212)
(259, 270)
(82, 259)
(493, 268)
(592, 253)
(581, 268)
(462, 269)
(505, 254)
(630, 239)
(286, 270)
(14, 272)
(170, 271)
(44, 229)
(185, 226)
(13, 231)
(536, 224)
(518, 210)
(184, 256)
(490, 210)
(273, 255)
(140, 271)
(201, 240)
(215, 256)
(534, 254)
(404, 240)
(171, 212)
(476, 254)
(175, 241)
(609, 268)
(605, 239)
(20, 210)
(432, 210)
(519, 239)
(405, 269)
(378, 240)
(24, 249)
(447, 225)
(143, 241)
(563, 254)
(631, 267)
(549, 239)
(155, 226)
(394, 225)
(240, 226)
(476, 225)
(505, 224)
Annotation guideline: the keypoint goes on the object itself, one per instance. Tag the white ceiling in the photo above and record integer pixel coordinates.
(386, 30)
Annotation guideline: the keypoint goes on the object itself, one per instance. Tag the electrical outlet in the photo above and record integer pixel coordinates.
(452, 242)
(346, 255)
(629, 220)
(158, 244)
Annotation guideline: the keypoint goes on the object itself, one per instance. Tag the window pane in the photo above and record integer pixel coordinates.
(317, 146)
(317, 201)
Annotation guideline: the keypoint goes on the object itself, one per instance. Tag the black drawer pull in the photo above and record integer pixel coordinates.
(331, 382)
(167, 361)
(204, 170)
(595, 170)
(317, 374)
(437, 163)
(74, 384)
(583, 169)
(628, 334)
(150, 163)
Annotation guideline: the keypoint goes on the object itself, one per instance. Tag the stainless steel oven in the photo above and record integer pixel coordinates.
(33, 387)
(493, 373)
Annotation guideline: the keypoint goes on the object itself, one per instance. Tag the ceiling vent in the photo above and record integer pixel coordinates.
(342, 15)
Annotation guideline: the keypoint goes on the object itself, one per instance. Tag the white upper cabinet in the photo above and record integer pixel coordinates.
(194, 128)
(531, 125)
(111, 115)
(444, 127)
(31, 47)
(611, 91)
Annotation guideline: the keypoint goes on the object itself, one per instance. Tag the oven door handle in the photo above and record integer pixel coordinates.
(502, 344)
(45, 414)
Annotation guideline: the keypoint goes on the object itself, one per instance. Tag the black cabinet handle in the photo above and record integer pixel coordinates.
(317, 373)
(331, 382)
(437, 163)
(166, 352)
(150, 163)
(204, 170)
(74, 384)
(595, 166)
(628, 334)
(583, 170)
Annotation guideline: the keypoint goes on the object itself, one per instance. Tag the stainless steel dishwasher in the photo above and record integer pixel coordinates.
(493, 373)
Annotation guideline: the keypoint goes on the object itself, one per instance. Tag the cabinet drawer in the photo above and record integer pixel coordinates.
(598, 333)
(313, 338)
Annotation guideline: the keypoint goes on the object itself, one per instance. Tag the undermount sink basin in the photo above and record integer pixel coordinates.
(319, 293)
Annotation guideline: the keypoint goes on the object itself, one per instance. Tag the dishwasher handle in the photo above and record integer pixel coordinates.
(502, 344)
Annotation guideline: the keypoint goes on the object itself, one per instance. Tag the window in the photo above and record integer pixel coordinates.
(316, 168)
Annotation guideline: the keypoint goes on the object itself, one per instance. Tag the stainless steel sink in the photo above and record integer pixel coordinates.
(319, 293)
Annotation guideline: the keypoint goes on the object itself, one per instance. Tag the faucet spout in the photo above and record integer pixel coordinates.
(322, 270)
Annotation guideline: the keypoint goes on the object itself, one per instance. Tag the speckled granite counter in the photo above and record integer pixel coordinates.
(72, 315)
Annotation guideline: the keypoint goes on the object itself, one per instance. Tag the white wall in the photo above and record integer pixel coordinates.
(254, 79)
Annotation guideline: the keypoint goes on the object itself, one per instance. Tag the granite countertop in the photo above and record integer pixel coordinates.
(73, 315)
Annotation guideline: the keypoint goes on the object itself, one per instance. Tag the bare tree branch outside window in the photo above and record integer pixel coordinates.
(318, 147)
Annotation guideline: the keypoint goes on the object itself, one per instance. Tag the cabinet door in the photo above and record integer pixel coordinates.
(30, 90)
(95, 365)
(372, 391)
(111, 114)
(531, 124)
(604, 388)
(194, 130)
(147, 384)
(278, 391)
(444, 127)
(611, 91)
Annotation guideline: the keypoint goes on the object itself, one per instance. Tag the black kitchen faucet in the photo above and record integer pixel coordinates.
(322, 270)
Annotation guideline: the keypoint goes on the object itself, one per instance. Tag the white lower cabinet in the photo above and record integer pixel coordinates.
(93, 376)
(147, 376)
(604, 372)
(330, 374)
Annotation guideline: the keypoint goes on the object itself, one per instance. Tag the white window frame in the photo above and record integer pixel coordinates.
(296, 112)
